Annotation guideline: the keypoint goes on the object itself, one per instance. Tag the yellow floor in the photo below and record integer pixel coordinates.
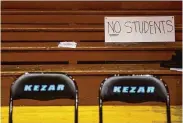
(89, 114)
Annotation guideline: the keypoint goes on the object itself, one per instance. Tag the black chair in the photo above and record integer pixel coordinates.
(133, 89)
(44, 87)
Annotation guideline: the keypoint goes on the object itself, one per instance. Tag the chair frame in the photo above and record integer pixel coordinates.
(76, 101)
(168, 112)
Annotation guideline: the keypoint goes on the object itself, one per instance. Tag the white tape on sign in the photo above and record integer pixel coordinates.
(140, 29)
(67, 44)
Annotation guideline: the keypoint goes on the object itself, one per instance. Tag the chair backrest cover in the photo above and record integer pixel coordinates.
(133, 89)
(43, 87)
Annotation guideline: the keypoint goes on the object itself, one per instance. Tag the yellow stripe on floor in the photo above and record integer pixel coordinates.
(89, 114)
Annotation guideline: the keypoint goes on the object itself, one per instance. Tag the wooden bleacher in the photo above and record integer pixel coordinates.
(31, 32)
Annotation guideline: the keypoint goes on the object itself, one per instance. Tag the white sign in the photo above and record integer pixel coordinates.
(140, 29)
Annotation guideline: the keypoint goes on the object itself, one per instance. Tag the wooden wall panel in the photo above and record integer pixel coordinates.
(32, 30)
(60, 36)
(87, 46)
(127, 5)
(68, 19)
(45, 22)
(86, 56)
(88, 91)
(87, 51)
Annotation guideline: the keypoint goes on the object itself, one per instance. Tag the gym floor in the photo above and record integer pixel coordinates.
(89, 114)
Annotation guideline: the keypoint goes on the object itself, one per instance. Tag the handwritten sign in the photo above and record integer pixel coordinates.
(140, 29)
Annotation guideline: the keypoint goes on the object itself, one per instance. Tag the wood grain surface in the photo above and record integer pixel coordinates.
(32, 30)
(89, 114)
(87, 51)
(95, 5)
(87, 46)
(88, 78)
(46, 21)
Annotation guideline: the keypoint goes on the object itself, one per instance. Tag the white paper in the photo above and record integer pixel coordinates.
(67, 44)
(140, 29)
(176, 69)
